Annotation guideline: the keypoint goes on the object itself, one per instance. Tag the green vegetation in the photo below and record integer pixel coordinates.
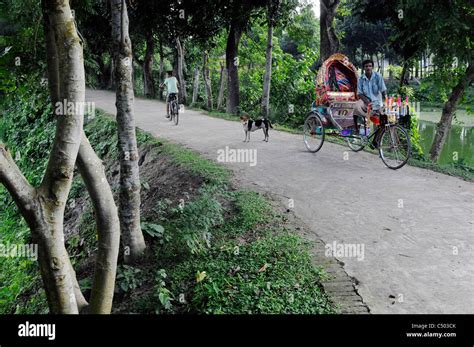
(236, 259)
(222, 251)
(211, 249)
(27, 128)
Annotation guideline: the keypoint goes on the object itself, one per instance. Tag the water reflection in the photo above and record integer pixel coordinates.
(460, 140)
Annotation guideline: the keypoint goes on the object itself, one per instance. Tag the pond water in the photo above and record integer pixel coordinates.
(460, 140)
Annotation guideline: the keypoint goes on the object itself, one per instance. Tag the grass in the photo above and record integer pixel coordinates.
(249, 264)
(224, 251)
(227, 252)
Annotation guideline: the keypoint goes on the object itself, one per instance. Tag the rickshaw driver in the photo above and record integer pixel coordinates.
(370, 90)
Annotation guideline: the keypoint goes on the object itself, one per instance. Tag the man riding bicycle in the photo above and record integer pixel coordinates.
(370, 89)
(171, 84)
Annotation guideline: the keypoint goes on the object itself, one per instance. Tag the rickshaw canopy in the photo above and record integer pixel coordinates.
(336, 80)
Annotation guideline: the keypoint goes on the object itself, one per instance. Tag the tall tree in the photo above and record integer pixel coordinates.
(148, 81)
(93, 21)
(222, 84)
(195, 85)
(183, 95)
(93, 173)
(129, 200)
(207, 80)
(329, 40)
(276, 11)
(272, 8)
(238, 14)
(451, 39)
(449, 108)
(43, 207)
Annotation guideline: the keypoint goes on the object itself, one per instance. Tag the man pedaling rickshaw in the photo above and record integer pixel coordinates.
(371, 90)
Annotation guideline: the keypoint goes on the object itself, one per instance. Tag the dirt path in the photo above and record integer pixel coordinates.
(413, 228)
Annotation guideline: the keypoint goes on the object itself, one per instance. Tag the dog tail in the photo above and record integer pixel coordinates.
(270, 124)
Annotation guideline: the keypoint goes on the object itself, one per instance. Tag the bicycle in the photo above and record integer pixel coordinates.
(391, 139)
(174, 109)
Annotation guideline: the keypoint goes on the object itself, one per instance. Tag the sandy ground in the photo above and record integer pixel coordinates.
(412, 229)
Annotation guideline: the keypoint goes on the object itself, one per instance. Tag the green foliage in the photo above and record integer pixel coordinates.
(213, 235)
(157, 231)
(253, 209)
(405, 91)
(292, 85)
(27, 128)
(128, 278)
(274, 274)
(437, 87)
(395, 70)
(213, 173)
(417, 150)
(163, 294)
(102, 134)
(192, 223)
(301, 33)
(271, 274)
(83, 245)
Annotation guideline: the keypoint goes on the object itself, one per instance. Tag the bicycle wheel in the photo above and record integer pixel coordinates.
(176, 114)
(313, 133)
(394, 146)
(357, 142)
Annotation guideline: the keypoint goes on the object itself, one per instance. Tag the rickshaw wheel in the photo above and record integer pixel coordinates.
(313, 132)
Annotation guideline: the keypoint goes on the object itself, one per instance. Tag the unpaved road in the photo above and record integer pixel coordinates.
(416, 227)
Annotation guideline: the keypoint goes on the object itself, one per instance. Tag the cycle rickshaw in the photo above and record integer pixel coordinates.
(332, 114)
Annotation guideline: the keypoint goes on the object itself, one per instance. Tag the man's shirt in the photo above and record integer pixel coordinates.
(372, 88)
(171, 84)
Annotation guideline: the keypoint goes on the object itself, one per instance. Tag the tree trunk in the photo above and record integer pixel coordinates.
(195, 85)
(108, 228)
(222, 83)
(162, 67)
(207, 80)
(422, 63)
(55, 266)
(268, 64)
(403, 76)
(148, 67)
(43, 208)
(448, 112)
(106, 214)
(129, 200)
(111, 84)
(103, 72)
(232, 65)
(54, 91)
(329, 40)
(180, 66)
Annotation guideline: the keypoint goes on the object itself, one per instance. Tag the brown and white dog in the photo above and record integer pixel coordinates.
(250, 125)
